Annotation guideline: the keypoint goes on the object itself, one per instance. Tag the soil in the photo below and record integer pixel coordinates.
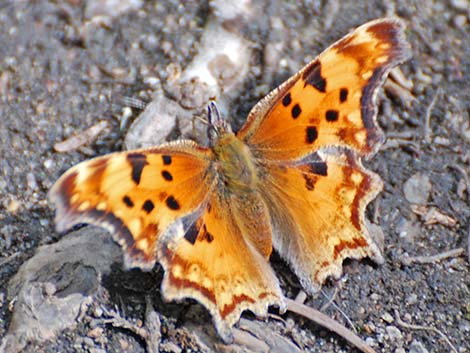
(63, 69)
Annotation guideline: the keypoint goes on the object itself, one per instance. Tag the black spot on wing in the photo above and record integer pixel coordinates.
(312, 76)
(137, 162)
(205, 235)
(309, 181)
(296, 111)
(172, 203)
(167, 175)
(331, 115)
(319, 168)
(166, 160)
(287, 100)
(148, 206)
(127, 200)
(192, 233)
(343, 95)
(311, 134)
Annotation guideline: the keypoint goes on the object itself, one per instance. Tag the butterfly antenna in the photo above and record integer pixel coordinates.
(201, 119)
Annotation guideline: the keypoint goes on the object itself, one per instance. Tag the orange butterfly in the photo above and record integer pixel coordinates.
(291, 179)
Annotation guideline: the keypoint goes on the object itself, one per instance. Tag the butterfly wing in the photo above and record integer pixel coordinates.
(331, 101)
(317, 208)
(135, 195)
(209, 257)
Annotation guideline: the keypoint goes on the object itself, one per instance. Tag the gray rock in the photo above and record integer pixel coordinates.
(57, 283)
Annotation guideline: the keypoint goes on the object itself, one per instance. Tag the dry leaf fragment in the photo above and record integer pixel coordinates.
(432, 215)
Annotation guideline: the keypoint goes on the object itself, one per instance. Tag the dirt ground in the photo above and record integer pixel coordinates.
(68, 66)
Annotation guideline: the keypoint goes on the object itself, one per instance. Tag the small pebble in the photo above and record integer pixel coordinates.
(375, 296)
(31, 181)
(387, 317)
(394, 333)
(460, 4)
(49, 289)
(97, 311)
(411, 299)
(44, 222)
(371, 342)
(95, 333)
(460, 21)
(88, 342)
(48, 163)
(417, 347)
(13, 206)
(417, 189)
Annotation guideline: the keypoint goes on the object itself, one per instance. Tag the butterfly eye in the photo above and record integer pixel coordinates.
(217, 124)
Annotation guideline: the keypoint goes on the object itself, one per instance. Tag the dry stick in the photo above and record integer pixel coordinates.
(327, 322)
(330, 299)
(396, 142)
(419, 327)
(467, 185)
(464, 176)
(323, 308)
(150, 333)
(427, 119)
(432, 258)
(468, 244)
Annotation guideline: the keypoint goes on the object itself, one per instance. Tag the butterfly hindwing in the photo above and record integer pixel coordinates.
(331, 101)
(317, 207)
(212, 260)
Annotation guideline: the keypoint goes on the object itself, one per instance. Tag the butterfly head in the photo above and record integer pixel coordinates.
(217, 124)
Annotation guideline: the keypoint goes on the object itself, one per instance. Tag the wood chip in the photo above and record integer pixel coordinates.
(83, 138)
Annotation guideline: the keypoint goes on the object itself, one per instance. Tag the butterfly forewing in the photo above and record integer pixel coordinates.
(331, 101)
(135, 195)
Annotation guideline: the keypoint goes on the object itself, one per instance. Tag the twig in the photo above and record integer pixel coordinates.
(407, 260)
(396, 142)
(419, 327)
(403, 93)
(330, 299)
(153, 326)
(301, 297)
(82, 138)
(465, 178)
(401, 135)
(332, 302)
(150, 333)
(5, 260)
(327, 322)
(427, 119)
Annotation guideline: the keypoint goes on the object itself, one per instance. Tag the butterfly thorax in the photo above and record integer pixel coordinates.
(235, 163)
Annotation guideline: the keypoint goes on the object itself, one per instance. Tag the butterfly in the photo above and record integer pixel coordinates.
(291, 179)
